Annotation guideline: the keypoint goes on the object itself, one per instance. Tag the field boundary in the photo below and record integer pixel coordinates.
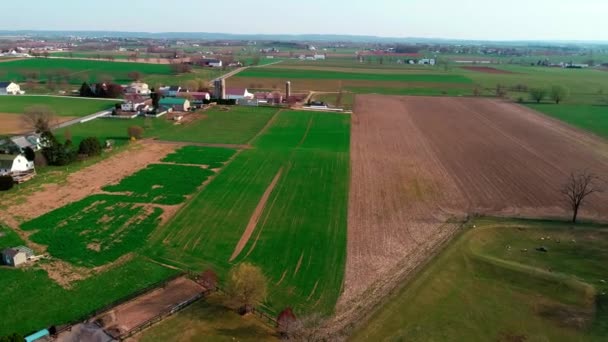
(121, 301)
(379, 294)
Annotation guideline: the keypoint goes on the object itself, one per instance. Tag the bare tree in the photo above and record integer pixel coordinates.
(558, 94)
(307, 329)
(577, 188)
(39, 118)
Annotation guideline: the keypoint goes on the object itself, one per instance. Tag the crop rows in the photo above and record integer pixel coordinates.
(210, 156)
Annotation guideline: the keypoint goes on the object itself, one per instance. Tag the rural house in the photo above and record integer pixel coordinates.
(176, 104)
(17, 256)
(139, 88)
(238, 94)
(32, 141)
(14, 164)
(10, 88)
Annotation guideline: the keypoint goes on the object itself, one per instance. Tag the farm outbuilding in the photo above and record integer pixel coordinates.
(17, 256)
(177, 104)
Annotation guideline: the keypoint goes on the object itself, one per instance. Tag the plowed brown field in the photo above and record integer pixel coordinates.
(419, 161)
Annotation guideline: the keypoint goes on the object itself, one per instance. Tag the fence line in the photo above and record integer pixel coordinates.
(163, 315)
(116, 303)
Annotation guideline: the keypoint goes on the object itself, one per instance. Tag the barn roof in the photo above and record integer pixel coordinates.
(172, 101)
(10, 252)
(5, 84)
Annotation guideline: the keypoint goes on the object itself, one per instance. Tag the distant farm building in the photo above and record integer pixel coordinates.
(211, 62)
(170, 91)
(196, 95)
(176, 104)
(238, 94)
(24, 141)
(17, 256)
(10, 88)
(139, 88)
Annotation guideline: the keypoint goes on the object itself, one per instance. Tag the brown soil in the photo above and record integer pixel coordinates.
(141, 309)
(305, 85)
(13, 123)
(255, 217)
(418, 163)
(487, 70)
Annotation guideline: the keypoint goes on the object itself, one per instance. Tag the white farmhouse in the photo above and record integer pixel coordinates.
(139, 88)
(319, 57)
(11, 164)
(10, 88)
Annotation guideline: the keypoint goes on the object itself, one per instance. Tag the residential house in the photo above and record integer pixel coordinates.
(10, 88)
(139, 88)
(24, 141)
(238, 94)
(135, 103)
(14, 163)
(17, 256)
(176, 104)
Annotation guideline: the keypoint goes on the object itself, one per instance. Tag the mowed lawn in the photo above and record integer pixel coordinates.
(335, 75)
(62, 106)
(593, 118)
(78, 71)
(491, 284)
(300, 238)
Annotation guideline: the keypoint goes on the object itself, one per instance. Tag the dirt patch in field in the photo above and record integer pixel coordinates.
(11, 123)
(129, 315)
(486, 70)
(419, 165)
(255, 217)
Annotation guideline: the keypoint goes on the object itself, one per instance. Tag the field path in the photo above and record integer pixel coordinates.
(255, 217)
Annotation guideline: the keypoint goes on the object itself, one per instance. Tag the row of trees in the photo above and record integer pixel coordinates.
(556, 93)
(101, 90)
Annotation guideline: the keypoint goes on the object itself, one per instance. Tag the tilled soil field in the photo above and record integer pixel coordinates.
(418, 162)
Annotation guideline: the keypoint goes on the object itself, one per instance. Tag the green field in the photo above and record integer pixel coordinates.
(62, 106)
(209, 318)
(491, 284)
(94, 231)
(162, 183)
(238, 125)
(593, 118)
(210, 156)
(300, 238)
(333, 75)
(78, 71)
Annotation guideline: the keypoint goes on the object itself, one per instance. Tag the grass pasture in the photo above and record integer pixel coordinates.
(300, 237)
(35, 301)
(162, 183)
(62, 106)
(211, 319)
(491, 283)
(592, 118)
(210, 156)
(94, 231)
(78, 70)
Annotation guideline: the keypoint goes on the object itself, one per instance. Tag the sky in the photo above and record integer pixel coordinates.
(454, 19)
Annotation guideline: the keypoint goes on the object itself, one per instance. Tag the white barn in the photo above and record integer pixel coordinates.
(238, 94)
(10, 88)
(10, 163)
